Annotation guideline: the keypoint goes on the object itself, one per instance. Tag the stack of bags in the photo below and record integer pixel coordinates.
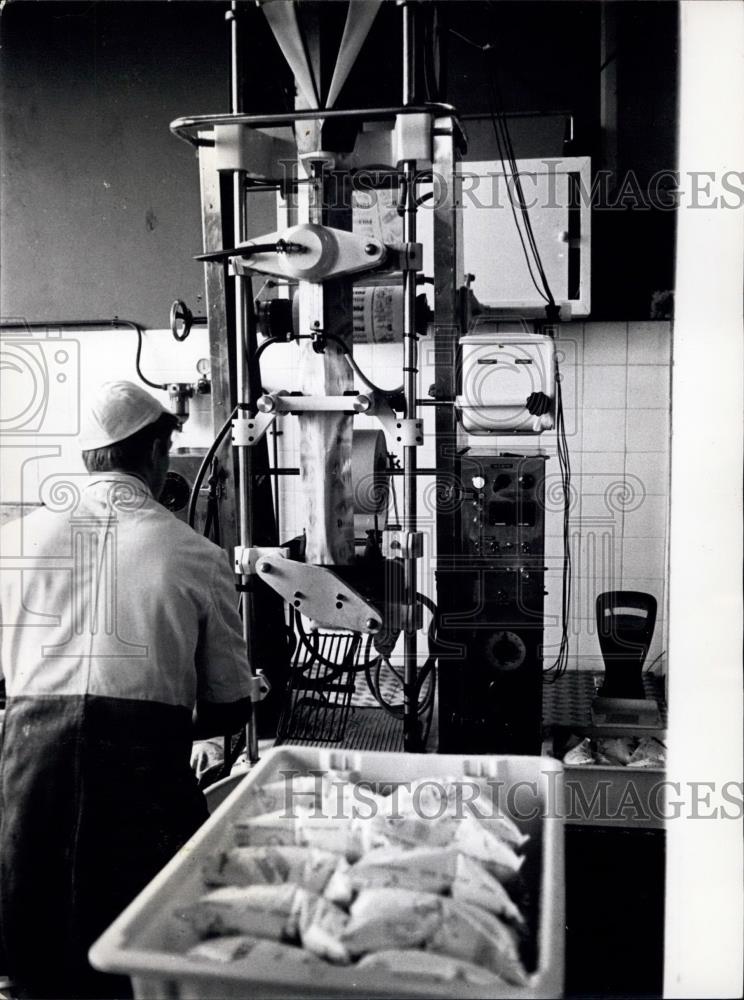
(326, 869)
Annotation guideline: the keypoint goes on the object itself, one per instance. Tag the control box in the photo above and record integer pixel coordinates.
(490, 669)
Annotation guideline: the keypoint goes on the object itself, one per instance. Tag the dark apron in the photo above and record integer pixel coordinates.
(96, 795)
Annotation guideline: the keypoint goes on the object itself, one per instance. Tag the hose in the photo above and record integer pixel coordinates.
(206, 462)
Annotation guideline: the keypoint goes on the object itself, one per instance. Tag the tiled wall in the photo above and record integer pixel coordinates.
(616, 384)
(617, 391)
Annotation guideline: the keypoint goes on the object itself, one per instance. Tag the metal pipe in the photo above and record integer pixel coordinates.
(245, 458)
(411, 733)
(180, 127)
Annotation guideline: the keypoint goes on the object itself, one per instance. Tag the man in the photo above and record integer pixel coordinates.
(121, 643)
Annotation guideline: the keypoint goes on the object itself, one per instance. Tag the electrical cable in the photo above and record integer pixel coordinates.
(358, 371)
(153, 385)
(279, 246)
(560, 664)
(506, 155)
(206, 461)
(653, 662)
(266, 343)
(527, 239)
(373, 668)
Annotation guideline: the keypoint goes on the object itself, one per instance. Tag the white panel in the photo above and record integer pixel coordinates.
(493, 251)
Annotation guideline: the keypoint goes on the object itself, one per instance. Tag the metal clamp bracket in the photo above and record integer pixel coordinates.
(409, 433)
(259, 686)
(320, 595)
(246, 557)
(247, 431)
(405, 256)
(397, 544)
(272, 404)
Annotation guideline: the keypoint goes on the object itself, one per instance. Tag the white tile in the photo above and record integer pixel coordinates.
(588, 648)
(599, 512)
(605, 343)
(648, 387)
(650, 469)
(650, 342)
(554, 550)
(649, 520)
(603, 430)
(648, 430)
(599, 470)
(601, 569)
(604, 387)
(571, 386)
(644, 557)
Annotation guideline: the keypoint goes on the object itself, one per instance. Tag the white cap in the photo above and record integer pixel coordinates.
(119, 410)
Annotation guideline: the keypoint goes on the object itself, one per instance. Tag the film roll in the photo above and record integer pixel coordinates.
(370, 485)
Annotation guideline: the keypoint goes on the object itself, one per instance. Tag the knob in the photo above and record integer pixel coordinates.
(526, 547)
(527, 481)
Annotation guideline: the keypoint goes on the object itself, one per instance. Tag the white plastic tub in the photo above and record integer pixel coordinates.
(148, 944)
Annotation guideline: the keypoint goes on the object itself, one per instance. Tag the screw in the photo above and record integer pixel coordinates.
(370, 249)
(265, 567)
(298, 593)
(372, 624)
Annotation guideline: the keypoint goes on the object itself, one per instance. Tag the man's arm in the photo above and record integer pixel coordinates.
(220, 719)
(224, 678)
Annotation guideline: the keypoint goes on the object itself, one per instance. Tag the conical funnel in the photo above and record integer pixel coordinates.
(284, 23)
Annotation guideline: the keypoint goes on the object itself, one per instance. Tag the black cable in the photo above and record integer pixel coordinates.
(358, 371)
(279, 246)
(373, 668)
(493, 83)
(266, 343)
(206, 461)
(153, 385)
(560, 664)
(653, 662)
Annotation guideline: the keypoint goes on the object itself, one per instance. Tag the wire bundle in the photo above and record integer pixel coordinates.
(542, 286)
(425, 679)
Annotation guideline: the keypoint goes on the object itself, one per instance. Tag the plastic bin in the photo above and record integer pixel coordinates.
(147, 943)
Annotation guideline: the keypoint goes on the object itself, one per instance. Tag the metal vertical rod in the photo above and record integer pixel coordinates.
(411, 733)
(242, 317)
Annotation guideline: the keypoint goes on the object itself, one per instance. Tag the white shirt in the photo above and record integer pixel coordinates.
(119, 598)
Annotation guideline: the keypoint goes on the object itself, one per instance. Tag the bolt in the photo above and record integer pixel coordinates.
(298, 593)
(370, 249)
(372, 624)
(265, 567)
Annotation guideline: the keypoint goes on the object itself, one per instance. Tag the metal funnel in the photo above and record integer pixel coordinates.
(285, 24)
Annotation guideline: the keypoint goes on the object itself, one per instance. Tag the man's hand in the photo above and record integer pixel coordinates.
(205, 755)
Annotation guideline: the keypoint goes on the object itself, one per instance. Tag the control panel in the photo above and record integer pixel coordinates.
(491, 674)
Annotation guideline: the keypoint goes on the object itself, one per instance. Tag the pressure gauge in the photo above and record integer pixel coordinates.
(203, 365)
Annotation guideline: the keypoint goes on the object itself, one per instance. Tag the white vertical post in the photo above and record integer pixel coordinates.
(704, 927)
